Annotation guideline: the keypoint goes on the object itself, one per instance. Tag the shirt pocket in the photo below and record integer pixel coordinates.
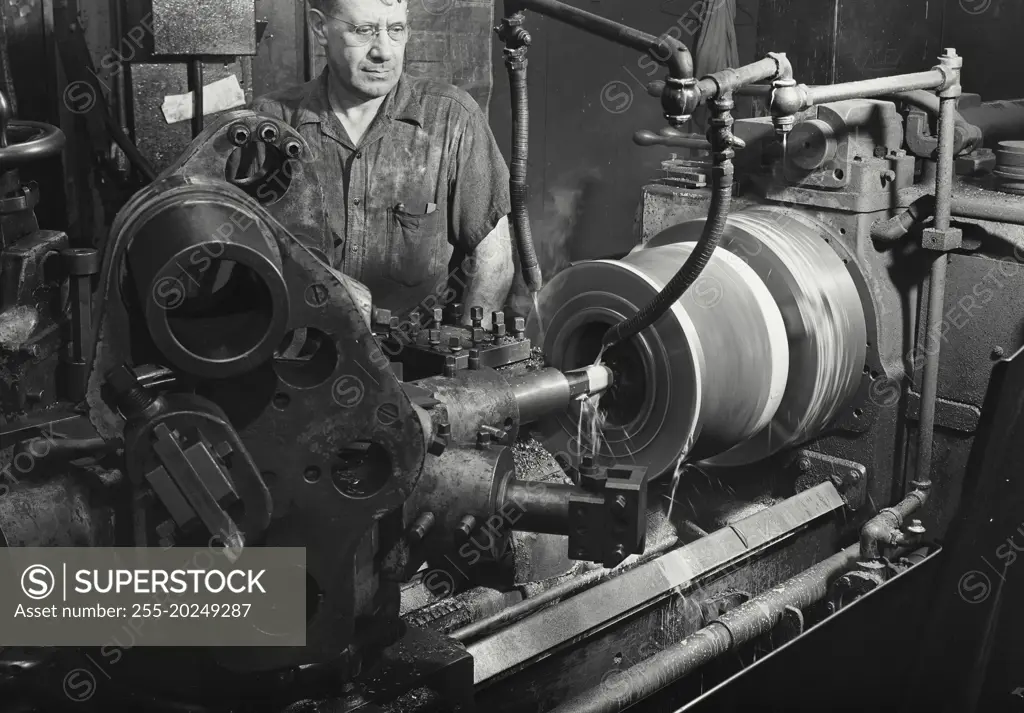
(415, 245)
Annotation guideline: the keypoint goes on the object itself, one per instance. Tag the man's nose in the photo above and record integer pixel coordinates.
(382, 48)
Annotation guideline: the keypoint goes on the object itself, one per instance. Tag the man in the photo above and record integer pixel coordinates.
(416, 187)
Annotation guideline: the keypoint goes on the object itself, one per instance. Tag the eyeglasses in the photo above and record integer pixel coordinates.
(361, 35)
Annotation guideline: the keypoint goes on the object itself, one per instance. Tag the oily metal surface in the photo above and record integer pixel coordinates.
(667, 375)
(822, 311)
(602, 294)
(551, 629)
(743, 337)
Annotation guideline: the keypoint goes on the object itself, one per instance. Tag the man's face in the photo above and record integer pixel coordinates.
(362, 55)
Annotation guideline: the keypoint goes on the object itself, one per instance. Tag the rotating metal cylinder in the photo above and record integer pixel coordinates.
(208, 274)
(758, 355)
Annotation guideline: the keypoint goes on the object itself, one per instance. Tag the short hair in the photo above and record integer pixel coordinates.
(332, 5)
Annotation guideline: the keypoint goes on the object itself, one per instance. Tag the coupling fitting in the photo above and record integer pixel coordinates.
(515, 38)
(950, 64)
(679, 99)
(787, 100)
(784, 69)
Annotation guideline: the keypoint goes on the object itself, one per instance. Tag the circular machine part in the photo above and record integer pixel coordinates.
(209, 277)
(823, 314)
(1009, 170)
(707, 375)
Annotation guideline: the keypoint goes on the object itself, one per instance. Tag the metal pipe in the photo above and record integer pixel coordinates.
(988, 207)
(997, 120)
(731, 80)
(665, 50)
(937, 277)
(978, 207)
(195, 81)
(885, 527)
(822, 94)
(544, 507)
(734, 628)
(889, 231)
(575, 585)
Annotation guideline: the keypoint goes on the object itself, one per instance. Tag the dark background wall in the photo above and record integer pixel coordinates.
(587, 97)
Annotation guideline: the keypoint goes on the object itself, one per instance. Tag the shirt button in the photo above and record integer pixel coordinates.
(357, 201)
(359, 154)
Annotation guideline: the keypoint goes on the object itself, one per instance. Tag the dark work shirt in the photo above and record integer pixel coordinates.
(422, 188)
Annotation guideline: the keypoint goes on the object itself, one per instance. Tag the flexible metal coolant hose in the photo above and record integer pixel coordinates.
(517, 175)
(722, 142)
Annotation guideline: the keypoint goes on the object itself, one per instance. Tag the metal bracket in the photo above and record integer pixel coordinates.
(849, 477)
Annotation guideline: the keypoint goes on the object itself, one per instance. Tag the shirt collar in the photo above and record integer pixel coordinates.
(400, 103)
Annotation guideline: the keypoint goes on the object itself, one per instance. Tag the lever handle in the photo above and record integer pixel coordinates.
(670, 137)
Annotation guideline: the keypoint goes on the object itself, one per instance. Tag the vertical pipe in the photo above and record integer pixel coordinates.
(195, 82)
(937, 277)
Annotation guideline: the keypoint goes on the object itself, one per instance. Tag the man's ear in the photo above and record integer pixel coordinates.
(318, 25)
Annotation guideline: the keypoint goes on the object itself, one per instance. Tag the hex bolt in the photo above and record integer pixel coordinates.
(457, 312)
(267, 133)
(520, 327)
(474, 358)
(416, 320)
(478, 335)
(477, 315)
(454, 344)
(444, 430)
(498, 327)
(437, 318)
(421, 527)
(239, 134)
(434, 337)
(466, 526)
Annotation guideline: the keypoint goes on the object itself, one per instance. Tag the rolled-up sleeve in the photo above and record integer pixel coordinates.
(478, 189)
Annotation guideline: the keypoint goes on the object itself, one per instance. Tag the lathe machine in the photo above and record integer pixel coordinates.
(685, 462)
